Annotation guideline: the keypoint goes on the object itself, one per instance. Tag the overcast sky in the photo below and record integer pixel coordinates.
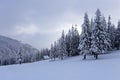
(40, 22)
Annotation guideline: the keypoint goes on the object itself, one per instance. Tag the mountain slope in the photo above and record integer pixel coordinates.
(107, 67)
(12, 50)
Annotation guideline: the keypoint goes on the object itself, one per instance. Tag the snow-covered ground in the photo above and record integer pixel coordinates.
(107, 67)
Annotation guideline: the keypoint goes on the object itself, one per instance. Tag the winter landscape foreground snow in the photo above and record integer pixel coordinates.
(107, 67)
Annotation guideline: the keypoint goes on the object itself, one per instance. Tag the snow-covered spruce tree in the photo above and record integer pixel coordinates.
(91, 26)
(67, 41)
(107, 42)
(84, 45)
(100, 42)
(55, 49)
(72, 42)
(52, 52)
(62, 46)
(20, 59)
(76, 39)
(117, 36)
(111, 32)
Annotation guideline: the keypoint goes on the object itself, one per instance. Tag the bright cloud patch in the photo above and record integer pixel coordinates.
(26, 30)
(69, 19)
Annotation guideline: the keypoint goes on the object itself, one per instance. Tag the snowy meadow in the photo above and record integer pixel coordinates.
(107, 67)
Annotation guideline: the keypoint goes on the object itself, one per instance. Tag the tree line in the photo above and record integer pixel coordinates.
(98, 36)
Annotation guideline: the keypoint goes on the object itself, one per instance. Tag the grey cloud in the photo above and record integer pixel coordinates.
(49, 15)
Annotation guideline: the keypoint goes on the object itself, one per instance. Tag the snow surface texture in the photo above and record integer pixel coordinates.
(107, 67)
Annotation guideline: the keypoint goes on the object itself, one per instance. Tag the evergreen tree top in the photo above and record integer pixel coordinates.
(119, 24)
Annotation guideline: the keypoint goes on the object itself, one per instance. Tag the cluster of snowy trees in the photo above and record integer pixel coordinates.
(66, 45)
(27, 54)
(22, 54)
(95, 37)
(98, 36)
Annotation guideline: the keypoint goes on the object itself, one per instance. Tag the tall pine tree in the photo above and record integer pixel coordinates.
(111, 32)
(100, 42)
(62, 46)
(117, 37)
(85, 42)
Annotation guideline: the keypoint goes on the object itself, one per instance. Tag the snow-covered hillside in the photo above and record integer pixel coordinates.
(11, 50)
(107, 67)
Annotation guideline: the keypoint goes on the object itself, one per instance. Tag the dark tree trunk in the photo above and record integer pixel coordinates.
(96, 56)
(20, 62)
(84, 57)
